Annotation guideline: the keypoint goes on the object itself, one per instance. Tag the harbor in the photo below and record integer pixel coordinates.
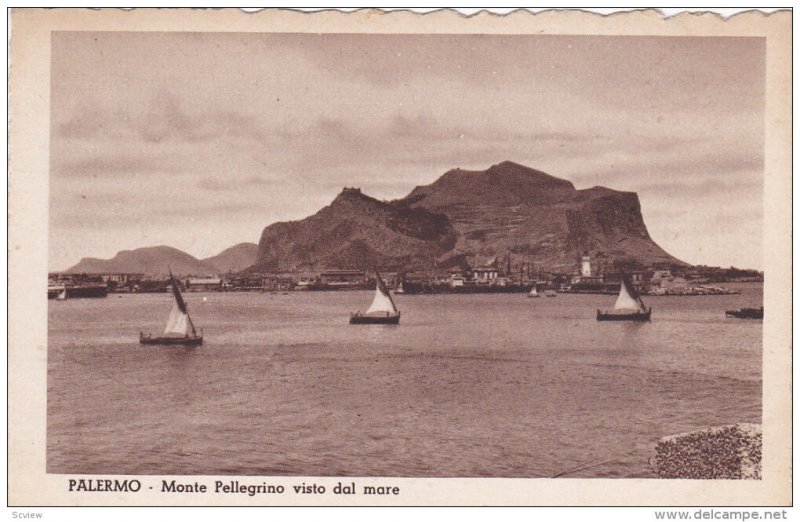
(584, 278)
(481, 385)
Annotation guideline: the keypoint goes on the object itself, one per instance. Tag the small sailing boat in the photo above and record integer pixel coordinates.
(533, 292)
(381, 311)
(178, 324)
(629, 305)
(62, 296)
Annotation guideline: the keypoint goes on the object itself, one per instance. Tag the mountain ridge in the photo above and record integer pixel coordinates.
(507, 208)
(156, 261)
(463, 218)
(235, 258)
(152, 261)
(354, 231)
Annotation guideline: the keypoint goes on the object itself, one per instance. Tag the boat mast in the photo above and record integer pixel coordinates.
(383, 289)
(189, 317)
(181, 303)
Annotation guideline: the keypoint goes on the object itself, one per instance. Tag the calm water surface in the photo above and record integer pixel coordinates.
(471, 386)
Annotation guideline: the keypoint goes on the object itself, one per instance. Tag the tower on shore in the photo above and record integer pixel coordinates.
(586, 267)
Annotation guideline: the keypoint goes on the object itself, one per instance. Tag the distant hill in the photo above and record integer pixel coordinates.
(152, 261)
(467, 217)
(234, 259)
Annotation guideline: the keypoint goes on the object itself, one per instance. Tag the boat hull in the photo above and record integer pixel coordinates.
(634, 316)
(73, 292)
(746, 313)
(374, 319)
(171, 341)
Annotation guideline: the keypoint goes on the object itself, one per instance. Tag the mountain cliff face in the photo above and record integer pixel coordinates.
(467, 216)
(355, 231)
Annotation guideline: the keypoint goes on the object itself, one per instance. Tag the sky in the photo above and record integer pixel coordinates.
(200, 140)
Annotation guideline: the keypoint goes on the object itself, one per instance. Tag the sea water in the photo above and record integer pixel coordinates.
(466, 386)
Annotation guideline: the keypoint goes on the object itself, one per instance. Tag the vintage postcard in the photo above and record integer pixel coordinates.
(398, 259)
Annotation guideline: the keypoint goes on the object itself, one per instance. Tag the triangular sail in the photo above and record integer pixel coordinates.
(383, 300)
(628, 297)
(179, 318)
(178, 322)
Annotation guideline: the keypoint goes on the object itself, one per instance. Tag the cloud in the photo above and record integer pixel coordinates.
(233, 185)
(87, 122)
(166, 119)
(163, 119)
(109, 165)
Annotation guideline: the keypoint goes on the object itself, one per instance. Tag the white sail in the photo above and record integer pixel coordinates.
(381, 303)
(533, 292)
(178, 322)
(625, 301)
(62, 295)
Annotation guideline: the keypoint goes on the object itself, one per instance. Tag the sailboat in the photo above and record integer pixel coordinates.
(629, 305)
(62, 296)
(533, 292)
(178, 324)
(381, 311)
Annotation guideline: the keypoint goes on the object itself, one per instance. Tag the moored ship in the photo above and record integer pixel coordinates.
(746, 313)
(461, 286)
(75, 291)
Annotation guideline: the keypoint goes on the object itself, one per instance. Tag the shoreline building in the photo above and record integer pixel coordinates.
(203, 284)
(586, 266)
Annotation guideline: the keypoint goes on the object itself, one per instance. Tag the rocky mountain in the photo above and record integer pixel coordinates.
(510, 208)
(356, 231)
(152, 261)
(467, 218)
(234, 259)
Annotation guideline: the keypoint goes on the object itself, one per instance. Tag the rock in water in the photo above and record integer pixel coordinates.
(725, 452)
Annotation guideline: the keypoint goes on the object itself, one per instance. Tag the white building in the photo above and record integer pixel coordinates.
(204, 284)
(485, 273)
(586, 267)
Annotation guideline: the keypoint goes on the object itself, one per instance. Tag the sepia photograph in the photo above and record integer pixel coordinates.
(357, 255)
